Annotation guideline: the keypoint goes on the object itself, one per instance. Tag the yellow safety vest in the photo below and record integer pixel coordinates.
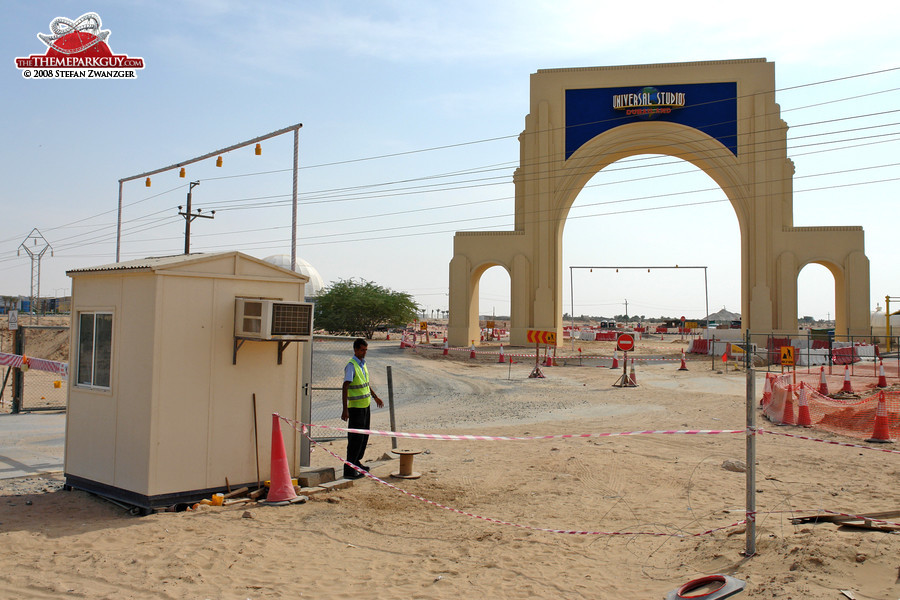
(358, 393)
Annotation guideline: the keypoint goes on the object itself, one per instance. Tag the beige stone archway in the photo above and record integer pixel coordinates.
(720, 116)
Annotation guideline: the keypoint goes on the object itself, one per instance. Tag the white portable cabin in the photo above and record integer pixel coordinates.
(161, 387)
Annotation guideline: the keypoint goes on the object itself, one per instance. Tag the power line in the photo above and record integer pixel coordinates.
(455, 186)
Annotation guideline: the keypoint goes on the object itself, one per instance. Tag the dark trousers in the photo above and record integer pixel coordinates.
(356, 442)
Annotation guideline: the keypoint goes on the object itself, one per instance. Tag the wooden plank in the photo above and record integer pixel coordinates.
(237, 492)
(885, 515)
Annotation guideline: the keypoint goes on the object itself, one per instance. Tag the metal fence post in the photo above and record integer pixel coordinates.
(18, 376)
(390, 383)
(306, 350)
(852, 351)
(750, 548)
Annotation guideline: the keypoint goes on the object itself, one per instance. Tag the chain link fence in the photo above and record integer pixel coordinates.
(806, 352)
(38, 390)
(330, 355)
(26, 389)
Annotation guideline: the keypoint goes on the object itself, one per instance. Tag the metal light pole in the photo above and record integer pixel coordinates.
(178, 165)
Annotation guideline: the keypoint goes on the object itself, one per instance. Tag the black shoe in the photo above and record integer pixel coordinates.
(353, 475)
(364, 468)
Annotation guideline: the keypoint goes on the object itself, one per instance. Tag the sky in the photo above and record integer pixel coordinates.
(411, 113)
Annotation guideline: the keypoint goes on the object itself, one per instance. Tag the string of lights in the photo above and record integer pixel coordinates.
(363, 193)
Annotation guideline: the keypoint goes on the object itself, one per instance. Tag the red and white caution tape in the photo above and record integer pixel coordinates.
(503, 438)
(303, 430)
(832, 442)
(468, 350)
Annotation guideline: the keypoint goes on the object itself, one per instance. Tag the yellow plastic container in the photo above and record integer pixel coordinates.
(218, 499)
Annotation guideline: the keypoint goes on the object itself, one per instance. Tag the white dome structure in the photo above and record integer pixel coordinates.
(879, 319)
(315, 284)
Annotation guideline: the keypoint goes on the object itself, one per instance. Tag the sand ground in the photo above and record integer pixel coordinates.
(645, 501)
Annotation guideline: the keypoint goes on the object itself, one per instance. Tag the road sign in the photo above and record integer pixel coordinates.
(537, 336)
(489, 325)
(787, 356)
(423, 325)
(625, 342)
(13, 320)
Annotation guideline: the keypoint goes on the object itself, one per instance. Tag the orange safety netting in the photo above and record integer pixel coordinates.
(850, 416)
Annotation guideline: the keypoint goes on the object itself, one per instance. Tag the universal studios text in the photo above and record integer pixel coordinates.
(649, 98)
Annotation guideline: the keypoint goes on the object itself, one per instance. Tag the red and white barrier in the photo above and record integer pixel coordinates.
(38, 364)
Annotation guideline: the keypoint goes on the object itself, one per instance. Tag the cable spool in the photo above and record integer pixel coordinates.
(711, 587)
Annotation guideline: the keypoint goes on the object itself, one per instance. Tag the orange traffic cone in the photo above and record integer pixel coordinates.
(403, 340)
(281, 491)
(683, 366)
(632, 377)
(767, 391)
(615, 363)
(882, 432)
(500, 356)
(388, 336)
(847, 388)
(787, 418)
(446, 347)
(472, 350)
(882, 380)
(803, 418)
(823, 385)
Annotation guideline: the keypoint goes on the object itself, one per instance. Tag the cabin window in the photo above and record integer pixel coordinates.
(94, 349)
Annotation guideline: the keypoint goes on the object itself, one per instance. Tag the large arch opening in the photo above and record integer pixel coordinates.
(651, 210)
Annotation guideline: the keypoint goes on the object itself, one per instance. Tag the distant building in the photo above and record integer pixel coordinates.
(315, 284)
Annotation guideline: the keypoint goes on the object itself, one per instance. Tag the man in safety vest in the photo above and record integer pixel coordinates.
(355, 395)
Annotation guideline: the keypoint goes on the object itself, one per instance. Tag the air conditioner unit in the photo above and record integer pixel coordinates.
(272, 319)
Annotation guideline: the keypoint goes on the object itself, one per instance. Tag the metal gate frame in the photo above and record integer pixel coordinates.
(19, 403)
(326, 382)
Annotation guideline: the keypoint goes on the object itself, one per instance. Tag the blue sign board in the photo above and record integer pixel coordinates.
(708, 107)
